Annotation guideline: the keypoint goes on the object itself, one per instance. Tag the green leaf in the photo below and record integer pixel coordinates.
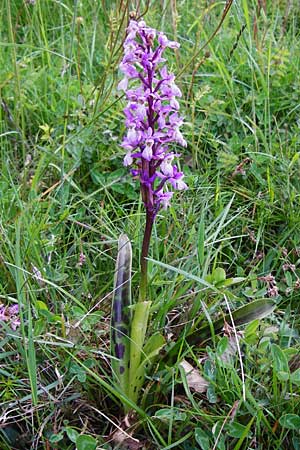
(78, 371)
(283, 376)
(72, 434)
(296, 443)
(85, 442)
(119, 188)
(152, 348)
(236, 429)
(295, 377)
(167, 414)
(280, 362)
(245, 434)
(222, 345)
(231, 281)
(294, 159)
(41, 305)
(154, 344)
(202, 439)
(211, 394)
(251, 329)
(209, 370)
(289, 279)
(219, 275)
(56, 437)
(46, 314)
(290, 421)
(257, 309)
(39, 326)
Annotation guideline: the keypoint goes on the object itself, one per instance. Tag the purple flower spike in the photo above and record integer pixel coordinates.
(152, 118)
(10, 314)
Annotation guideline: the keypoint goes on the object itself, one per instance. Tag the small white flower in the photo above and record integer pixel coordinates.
(181, 186)
(122, 86)
(147, 152)
(179, 137)
(166, 166)
(128, 160)
(165, 202)
(174, 103)
(175, 89)
(132, 134)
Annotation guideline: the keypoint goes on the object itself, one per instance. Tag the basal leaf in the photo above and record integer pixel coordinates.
(121, 314)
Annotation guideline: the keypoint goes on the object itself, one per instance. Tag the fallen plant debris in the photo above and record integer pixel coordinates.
(195, 381)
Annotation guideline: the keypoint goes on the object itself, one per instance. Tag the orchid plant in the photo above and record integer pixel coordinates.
(153, 126)
(153, 129)
(152, 123)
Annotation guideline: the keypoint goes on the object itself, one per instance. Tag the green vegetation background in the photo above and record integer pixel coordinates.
(65, 199)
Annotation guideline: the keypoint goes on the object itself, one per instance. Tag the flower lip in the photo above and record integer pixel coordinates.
(148, 150)
(128, 160)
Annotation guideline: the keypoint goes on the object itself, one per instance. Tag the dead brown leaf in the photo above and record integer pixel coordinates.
(194, 379)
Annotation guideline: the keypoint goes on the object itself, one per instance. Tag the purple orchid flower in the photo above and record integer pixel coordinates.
(10, 314)
(152, 119)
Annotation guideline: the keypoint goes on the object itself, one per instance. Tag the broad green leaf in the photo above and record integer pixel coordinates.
(295, 377)
(257, 309)
(296, 442)
(167, 414)
(72, 434)
(152, 348)
(54, 438)
(85, 442)
(236, 429)
(283, 376)
(211, 394)
(209, 370)
(79, 371)
(231, 281)
(39, 326)
(219, 275)
(154, 345)
(289, 278)
(251, 328)
(202, 439)
(41, 305)
(290, 421)
(222, 345)
(280, 362)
